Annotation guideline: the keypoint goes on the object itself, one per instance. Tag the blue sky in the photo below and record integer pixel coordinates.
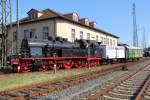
(114, 16)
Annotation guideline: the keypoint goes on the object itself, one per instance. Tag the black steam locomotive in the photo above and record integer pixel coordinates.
(45, 55)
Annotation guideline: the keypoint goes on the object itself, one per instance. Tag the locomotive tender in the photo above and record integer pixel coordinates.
(59, 53)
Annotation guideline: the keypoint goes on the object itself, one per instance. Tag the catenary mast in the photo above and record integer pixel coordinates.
(135, 36)
(144, 39)
(5, 19)
(17, 28)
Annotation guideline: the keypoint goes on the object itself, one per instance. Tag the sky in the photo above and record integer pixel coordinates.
(114, 16)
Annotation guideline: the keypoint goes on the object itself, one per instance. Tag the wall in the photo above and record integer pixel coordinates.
(64, 30)
(39, 31)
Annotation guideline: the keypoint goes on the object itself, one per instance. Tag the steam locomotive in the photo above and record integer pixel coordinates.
(58, 53)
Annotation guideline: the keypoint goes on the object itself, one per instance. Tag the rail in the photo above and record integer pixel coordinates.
(111, 87)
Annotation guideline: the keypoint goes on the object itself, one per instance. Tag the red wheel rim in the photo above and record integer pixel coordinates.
(67, 65)
(24, 68)
(79, 64)
(43, 68)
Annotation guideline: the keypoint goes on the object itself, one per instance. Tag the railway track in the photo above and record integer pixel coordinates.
(144, 94)
(130, 87)
(52, 86)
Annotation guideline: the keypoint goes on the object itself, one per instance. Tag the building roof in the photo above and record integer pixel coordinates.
(50, 14)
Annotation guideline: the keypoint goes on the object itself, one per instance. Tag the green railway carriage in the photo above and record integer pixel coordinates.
(133, 53)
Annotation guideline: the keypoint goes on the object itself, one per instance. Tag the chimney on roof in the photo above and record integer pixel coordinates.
(33, 14)
(84, 21)
(93, 24)
(74, 16)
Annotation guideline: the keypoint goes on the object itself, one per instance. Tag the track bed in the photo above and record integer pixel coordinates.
(53, 86)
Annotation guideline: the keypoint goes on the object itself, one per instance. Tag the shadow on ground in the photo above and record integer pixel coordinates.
(6, 69)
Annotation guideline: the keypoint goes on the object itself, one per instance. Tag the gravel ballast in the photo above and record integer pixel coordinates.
(89, 88)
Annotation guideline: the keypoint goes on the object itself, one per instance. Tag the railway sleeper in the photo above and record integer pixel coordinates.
(137, 78)
(148, 90)
(121, 96)
(146, 97)
(124, 91)
(147, 93)
(133, 84)
(138, 81)
(129, 86)
(48, 85)
(125, 88)
(24, 92)
(107, 97)
(37, 88)
(18, 94)
(6, 97)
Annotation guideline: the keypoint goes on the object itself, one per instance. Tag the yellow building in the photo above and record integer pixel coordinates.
(39, 25)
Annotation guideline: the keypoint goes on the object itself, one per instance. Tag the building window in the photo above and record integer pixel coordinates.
(14, 36)
(32, 15)
(88, 36)
(75, 17)
(45, 32)
(81, 34)
(97, 38)
(107, 41)
(113, 42)
(102, 39)
(110, 41)
(72, 35)
(33, 34)
(86, 22)
(26, 34)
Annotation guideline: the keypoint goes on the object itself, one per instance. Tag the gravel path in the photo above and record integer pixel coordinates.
(83, 90)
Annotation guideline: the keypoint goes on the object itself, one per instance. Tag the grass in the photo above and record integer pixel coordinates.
(22, 79)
